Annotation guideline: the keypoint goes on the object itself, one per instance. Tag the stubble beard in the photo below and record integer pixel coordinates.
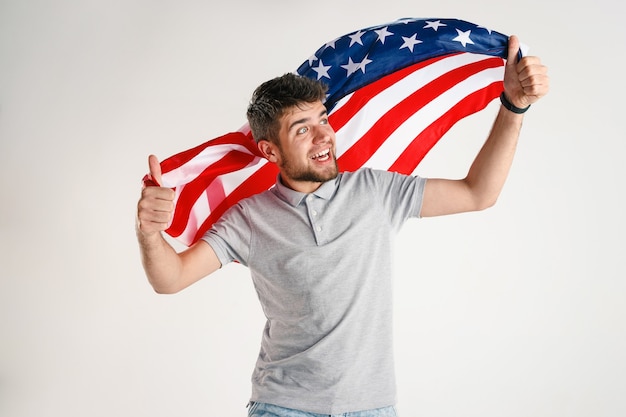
(307, 174)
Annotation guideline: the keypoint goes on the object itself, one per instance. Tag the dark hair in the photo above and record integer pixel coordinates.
(272, 98)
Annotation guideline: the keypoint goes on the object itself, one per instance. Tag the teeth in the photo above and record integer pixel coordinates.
(319, 155)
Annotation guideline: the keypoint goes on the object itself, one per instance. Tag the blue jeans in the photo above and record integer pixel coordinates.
(269, 410)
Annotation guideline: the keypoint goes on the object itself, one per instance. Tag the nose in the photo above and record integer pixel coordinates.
(322, 134)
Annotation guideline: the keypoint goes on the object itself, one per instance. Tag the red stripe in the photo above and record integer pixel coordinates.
(362, 150)
(233, 138)
(260, 181)
(419, 147)
(231, 162)
(338, 118)
(215, 193)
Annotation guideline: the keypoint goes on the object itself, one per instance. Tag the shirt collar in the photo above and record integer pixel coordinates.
(293, 197)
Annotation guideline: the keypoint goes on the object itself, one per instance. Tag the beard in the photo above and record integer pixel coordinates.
(306, 173)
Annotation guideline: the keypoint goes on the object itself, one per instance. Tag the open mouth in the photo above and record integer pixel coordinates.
(322, 156)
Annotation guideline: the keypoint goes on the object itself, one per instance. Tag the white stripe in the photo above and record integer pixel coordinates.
(245, 129)
(376, 108)
(194, 167)
(232, 180)
(341, 102)
(201, 210)
(397, 142)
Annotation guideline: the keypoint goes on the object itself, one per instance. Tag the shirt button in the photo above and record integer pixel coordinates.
(309, 198)
(318, 228)
(314, 213)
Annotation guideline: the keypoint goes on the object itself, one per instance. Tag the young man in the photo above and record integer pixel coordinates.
(318, 245)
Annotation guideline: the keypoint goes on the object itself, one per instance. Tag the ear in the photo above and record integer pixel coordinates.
(268, 150)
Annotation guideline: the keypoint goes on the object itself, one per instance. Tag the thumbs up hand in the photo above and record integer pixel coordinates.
(156, 205)
(525, 80)
(154, 178)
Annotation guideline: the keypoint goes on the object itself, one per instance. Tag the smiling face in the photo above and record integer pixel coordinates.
(305, 148)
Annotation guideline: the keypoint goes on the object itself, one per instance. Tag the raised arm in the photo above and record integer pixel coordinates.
(525, 82)
(167, 271)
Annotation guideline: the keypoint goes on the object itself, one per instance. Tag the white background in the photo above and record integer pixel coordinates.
(516, 311)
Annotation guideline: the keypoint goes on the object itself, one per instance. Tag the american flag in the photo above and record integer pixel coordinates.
(393, 91)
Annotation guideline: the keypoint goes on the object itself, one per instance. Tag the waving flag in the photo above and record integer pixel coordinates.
(394, 91)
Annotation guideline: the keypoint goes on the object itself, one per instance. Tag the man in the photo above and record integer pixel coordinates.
(318, 245)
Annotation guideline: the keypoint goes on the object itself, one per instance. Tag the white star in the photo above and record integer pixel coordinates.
(363, 64)
(383, 33)
(464, 37)
(312, 59)
(331, 44)
(410, 42)
(322, 70)
(356, 38)
(351, 67)
(483, 27)
(434, 24)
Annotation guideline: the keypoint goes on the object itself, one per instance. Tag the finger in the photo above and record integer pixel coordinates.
(513, 51)
(158, 195)
(150, 226)
(155, 170)
(536, 86)
(155, 208)
(533, 75)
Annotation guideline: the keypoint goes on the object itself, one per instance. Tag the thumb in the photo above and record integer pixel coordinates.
(513, 53)
(155, 170)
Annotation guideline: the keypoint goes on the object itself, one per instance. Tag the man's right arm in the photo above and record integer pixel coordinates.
(167, 270)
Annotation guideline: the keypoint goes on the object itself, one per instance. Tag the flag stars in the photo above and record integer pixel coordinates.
(363, 63)
(356, 38)
(383, 33)
(463, 37)
(352, 67)
(321, 70)
(331, 44)
(410, 43)
(434, 24)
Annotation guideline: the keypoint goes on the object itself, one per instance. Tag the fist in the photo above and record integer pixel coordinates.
(156, 205)
(525, 80)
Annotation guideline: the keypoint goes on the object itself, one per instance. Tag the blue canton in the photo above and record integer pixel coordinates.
(362, 57)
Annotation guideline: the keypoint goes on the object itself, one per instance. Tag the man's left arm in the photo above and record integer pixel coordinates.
(525, 82)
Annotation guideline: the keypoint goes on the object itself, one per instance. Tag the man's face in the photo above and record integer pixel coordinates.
(306, 154)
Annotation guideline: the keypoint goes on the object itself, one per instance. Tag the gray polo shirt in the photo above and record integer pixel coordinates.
(322, 266)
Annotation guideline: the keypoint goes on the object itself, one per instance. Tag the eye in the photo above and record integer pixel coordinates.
(324, 121)
(302, 130)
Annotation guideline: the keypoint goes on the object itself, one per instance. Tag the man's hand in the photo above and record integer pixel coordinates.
(526, 80)
(156, 205)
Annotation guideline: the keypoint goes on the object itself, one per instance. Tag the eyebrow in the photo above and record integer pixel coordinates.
(305, 119)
